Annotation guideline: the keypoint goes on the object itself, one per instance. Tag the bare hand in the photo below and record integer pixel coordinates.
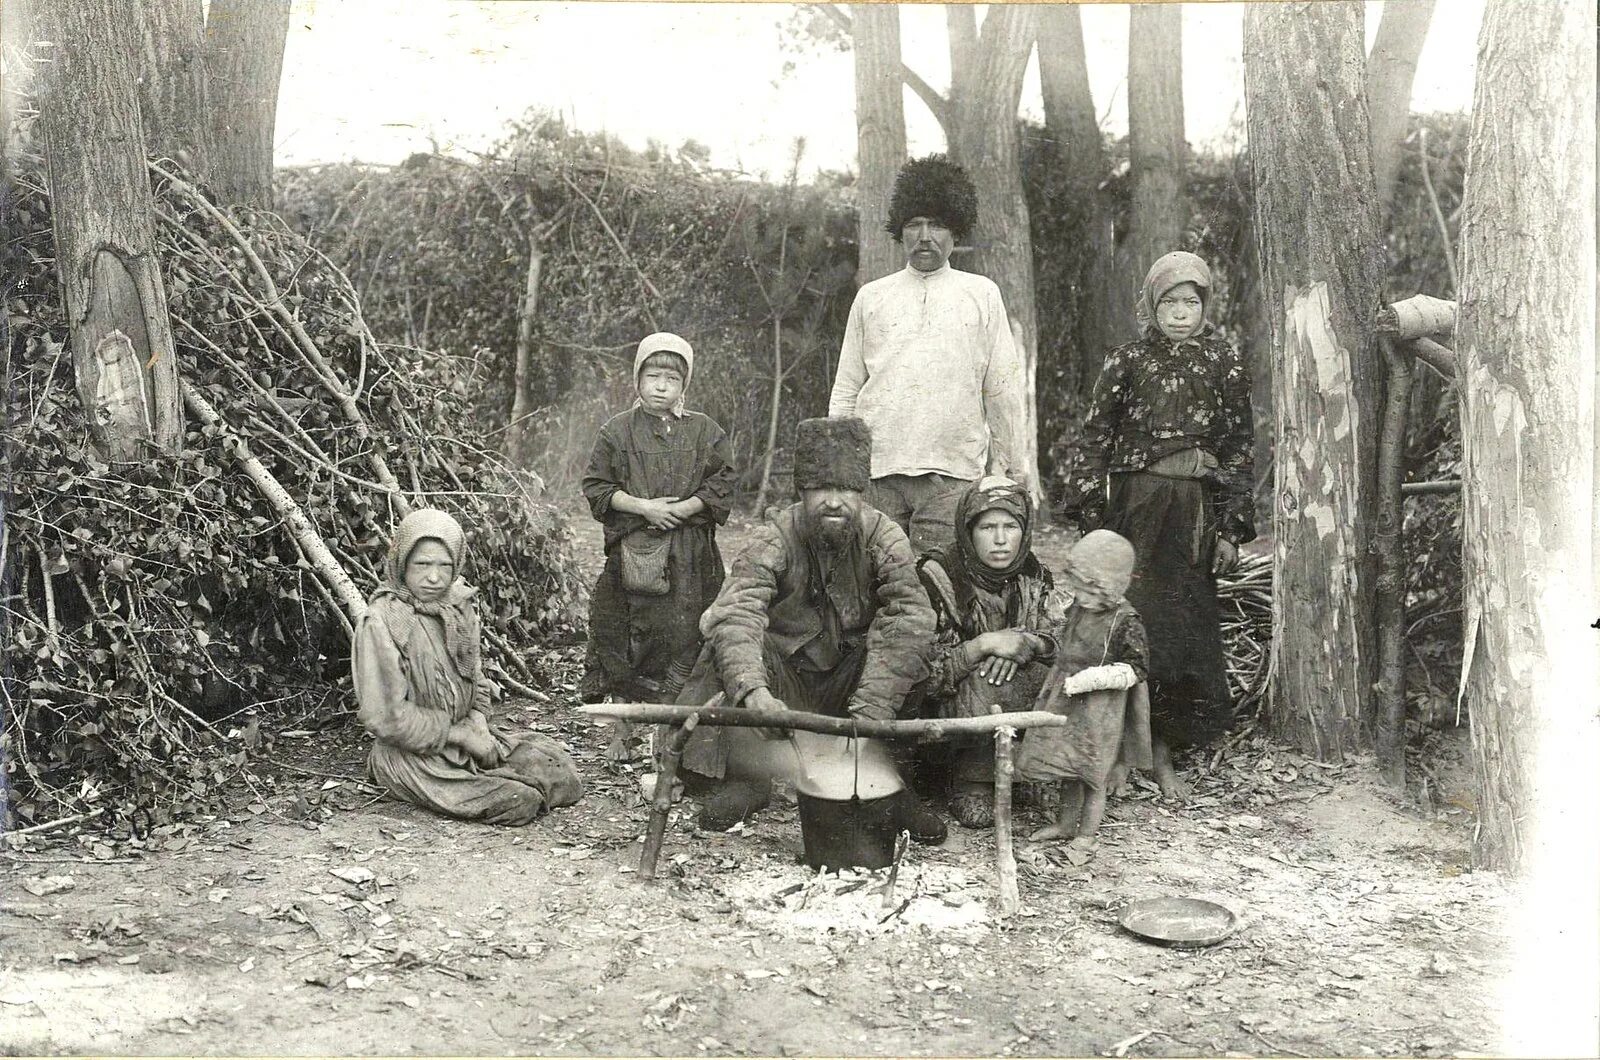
(686, 507)
(472, 735)
(763, 699)
(659, 514)
(1226, 558)
(1005, 652)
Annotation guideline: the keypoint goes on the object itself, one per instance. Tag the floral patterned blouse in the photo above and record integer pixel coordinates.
(1156, 397)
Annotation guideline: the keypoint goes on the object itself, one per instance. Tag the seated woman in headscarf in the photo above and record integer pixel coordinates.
(1097, 683)
(423, 695)
(996, 604)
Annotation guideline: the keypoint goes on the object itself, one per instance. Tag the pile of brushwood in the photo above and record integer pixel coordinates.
(145, 606)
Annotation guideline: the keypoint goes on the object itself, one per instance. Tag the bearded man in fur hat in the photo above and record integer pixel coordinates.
(822, 612)
(929, 363)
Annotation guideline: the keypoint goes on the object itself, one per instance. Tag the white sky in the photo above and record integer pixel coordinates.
(365, 80)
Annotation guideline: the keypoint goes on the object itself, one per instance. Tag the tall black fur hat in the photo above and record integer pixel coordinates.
(834, 451)
(933, 187)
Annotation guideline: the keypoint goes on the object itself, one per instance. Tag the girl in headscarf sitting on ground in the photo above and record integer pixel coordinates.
(996, 604)
(1166, 464)
(1096, 681)
(424, 697)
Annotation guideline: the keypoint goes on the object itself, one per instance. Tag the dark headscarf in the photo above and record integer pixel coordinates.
(454, 609)
(969, 575)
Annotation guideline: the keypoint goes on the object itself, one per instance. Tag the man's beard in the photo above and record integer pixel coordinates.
(830, 536)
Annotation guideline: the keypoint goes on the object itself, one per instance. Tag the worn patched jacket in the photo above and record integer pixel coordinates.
(775, 593)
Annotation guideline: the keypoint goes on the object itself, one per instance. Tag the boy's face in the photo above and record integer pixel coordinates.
(429, 570)
(660, 387)
(1180, 312)
(928, 243)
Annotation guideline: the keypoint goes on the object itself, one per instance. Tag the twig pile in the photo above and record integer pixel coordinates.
(145, 602)
(1245, 597)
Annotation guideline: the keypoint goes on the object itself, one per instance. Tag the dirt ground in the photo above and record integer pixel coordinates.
(318, 917)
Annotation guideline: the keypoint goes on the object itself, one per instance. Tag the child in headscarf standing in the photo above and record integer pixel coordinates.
(661, 481)
(996, 606)
(1166, 464)
(423, 697)
(1097, 682)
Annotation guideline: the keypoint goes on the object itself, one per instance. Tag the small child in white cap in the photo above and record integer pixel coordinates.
(660, 480)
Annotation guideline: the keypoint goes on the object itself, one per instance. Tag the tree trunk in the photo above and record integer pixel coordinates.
(1156, 149)
(1525, 347)
(880, 133)
(1390, 70)
(519, 439)
(1069, 117)
(1317, 223)
(961, 27)
(987, 144)
(1256, 346)
(244, 60)
(101, 213)
(173, 91)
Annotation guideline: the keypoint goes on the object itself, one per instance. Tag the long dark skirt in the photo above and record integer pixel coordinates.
(635, 640)
(1172, 524)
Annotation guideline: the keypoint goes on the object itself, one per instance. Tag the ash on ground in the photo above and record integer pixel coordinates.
(799, 903)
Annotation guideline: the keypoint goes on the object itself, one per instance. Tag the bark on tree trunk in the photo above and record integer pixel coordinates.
(880, 133)
(1256, 346)
(1317, 222)
(1525, 347)
(1069, 117)
(987, 144)
(961, 27)
(244, 60)
(519, 438)
(174, 96)
(104, 233)
(1390, 71)
(1156, 149)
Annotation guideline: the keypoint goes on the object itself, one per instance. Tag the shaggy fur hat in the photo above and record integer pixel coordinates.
(835, 452)
(933, 187)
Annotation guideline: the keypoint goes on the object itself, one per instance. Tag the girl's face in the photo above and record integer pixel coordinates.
(429, 570)
(660, 387)
(1180, 312)
(996, 538)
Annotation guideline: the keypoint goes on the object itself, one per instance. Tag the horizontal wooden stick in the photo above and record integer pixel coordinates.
(1449, 485)
(1440, 358)
(936, 728)
(1417, 316)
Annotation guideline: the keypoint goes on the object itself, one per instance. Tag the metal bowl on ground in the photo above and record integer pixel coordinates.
(1183, 922)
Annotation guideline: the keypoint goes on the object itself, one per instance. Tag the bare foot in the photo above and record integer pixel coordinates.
(618, 750)
(1054, 831)
(1084, 847)
(1117, 780)
(1171, 786)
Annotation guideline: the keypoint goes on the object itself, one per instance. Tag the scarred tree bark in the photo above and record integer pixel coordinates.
(1070, 119)
(244, 60)
(987, 143)
(1390, 70)
(104, 234)
(1525, 342)
(173, 96)
(1317, 222)
(880, 132)
(1156, 148)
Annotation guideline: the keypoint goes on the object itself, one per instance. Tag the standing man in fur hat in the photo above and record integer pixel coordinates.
(822, 612)
(929, 362)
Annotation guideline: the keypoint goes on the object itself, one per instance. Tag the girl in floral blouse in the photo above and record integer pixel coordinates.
(1166, 464)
